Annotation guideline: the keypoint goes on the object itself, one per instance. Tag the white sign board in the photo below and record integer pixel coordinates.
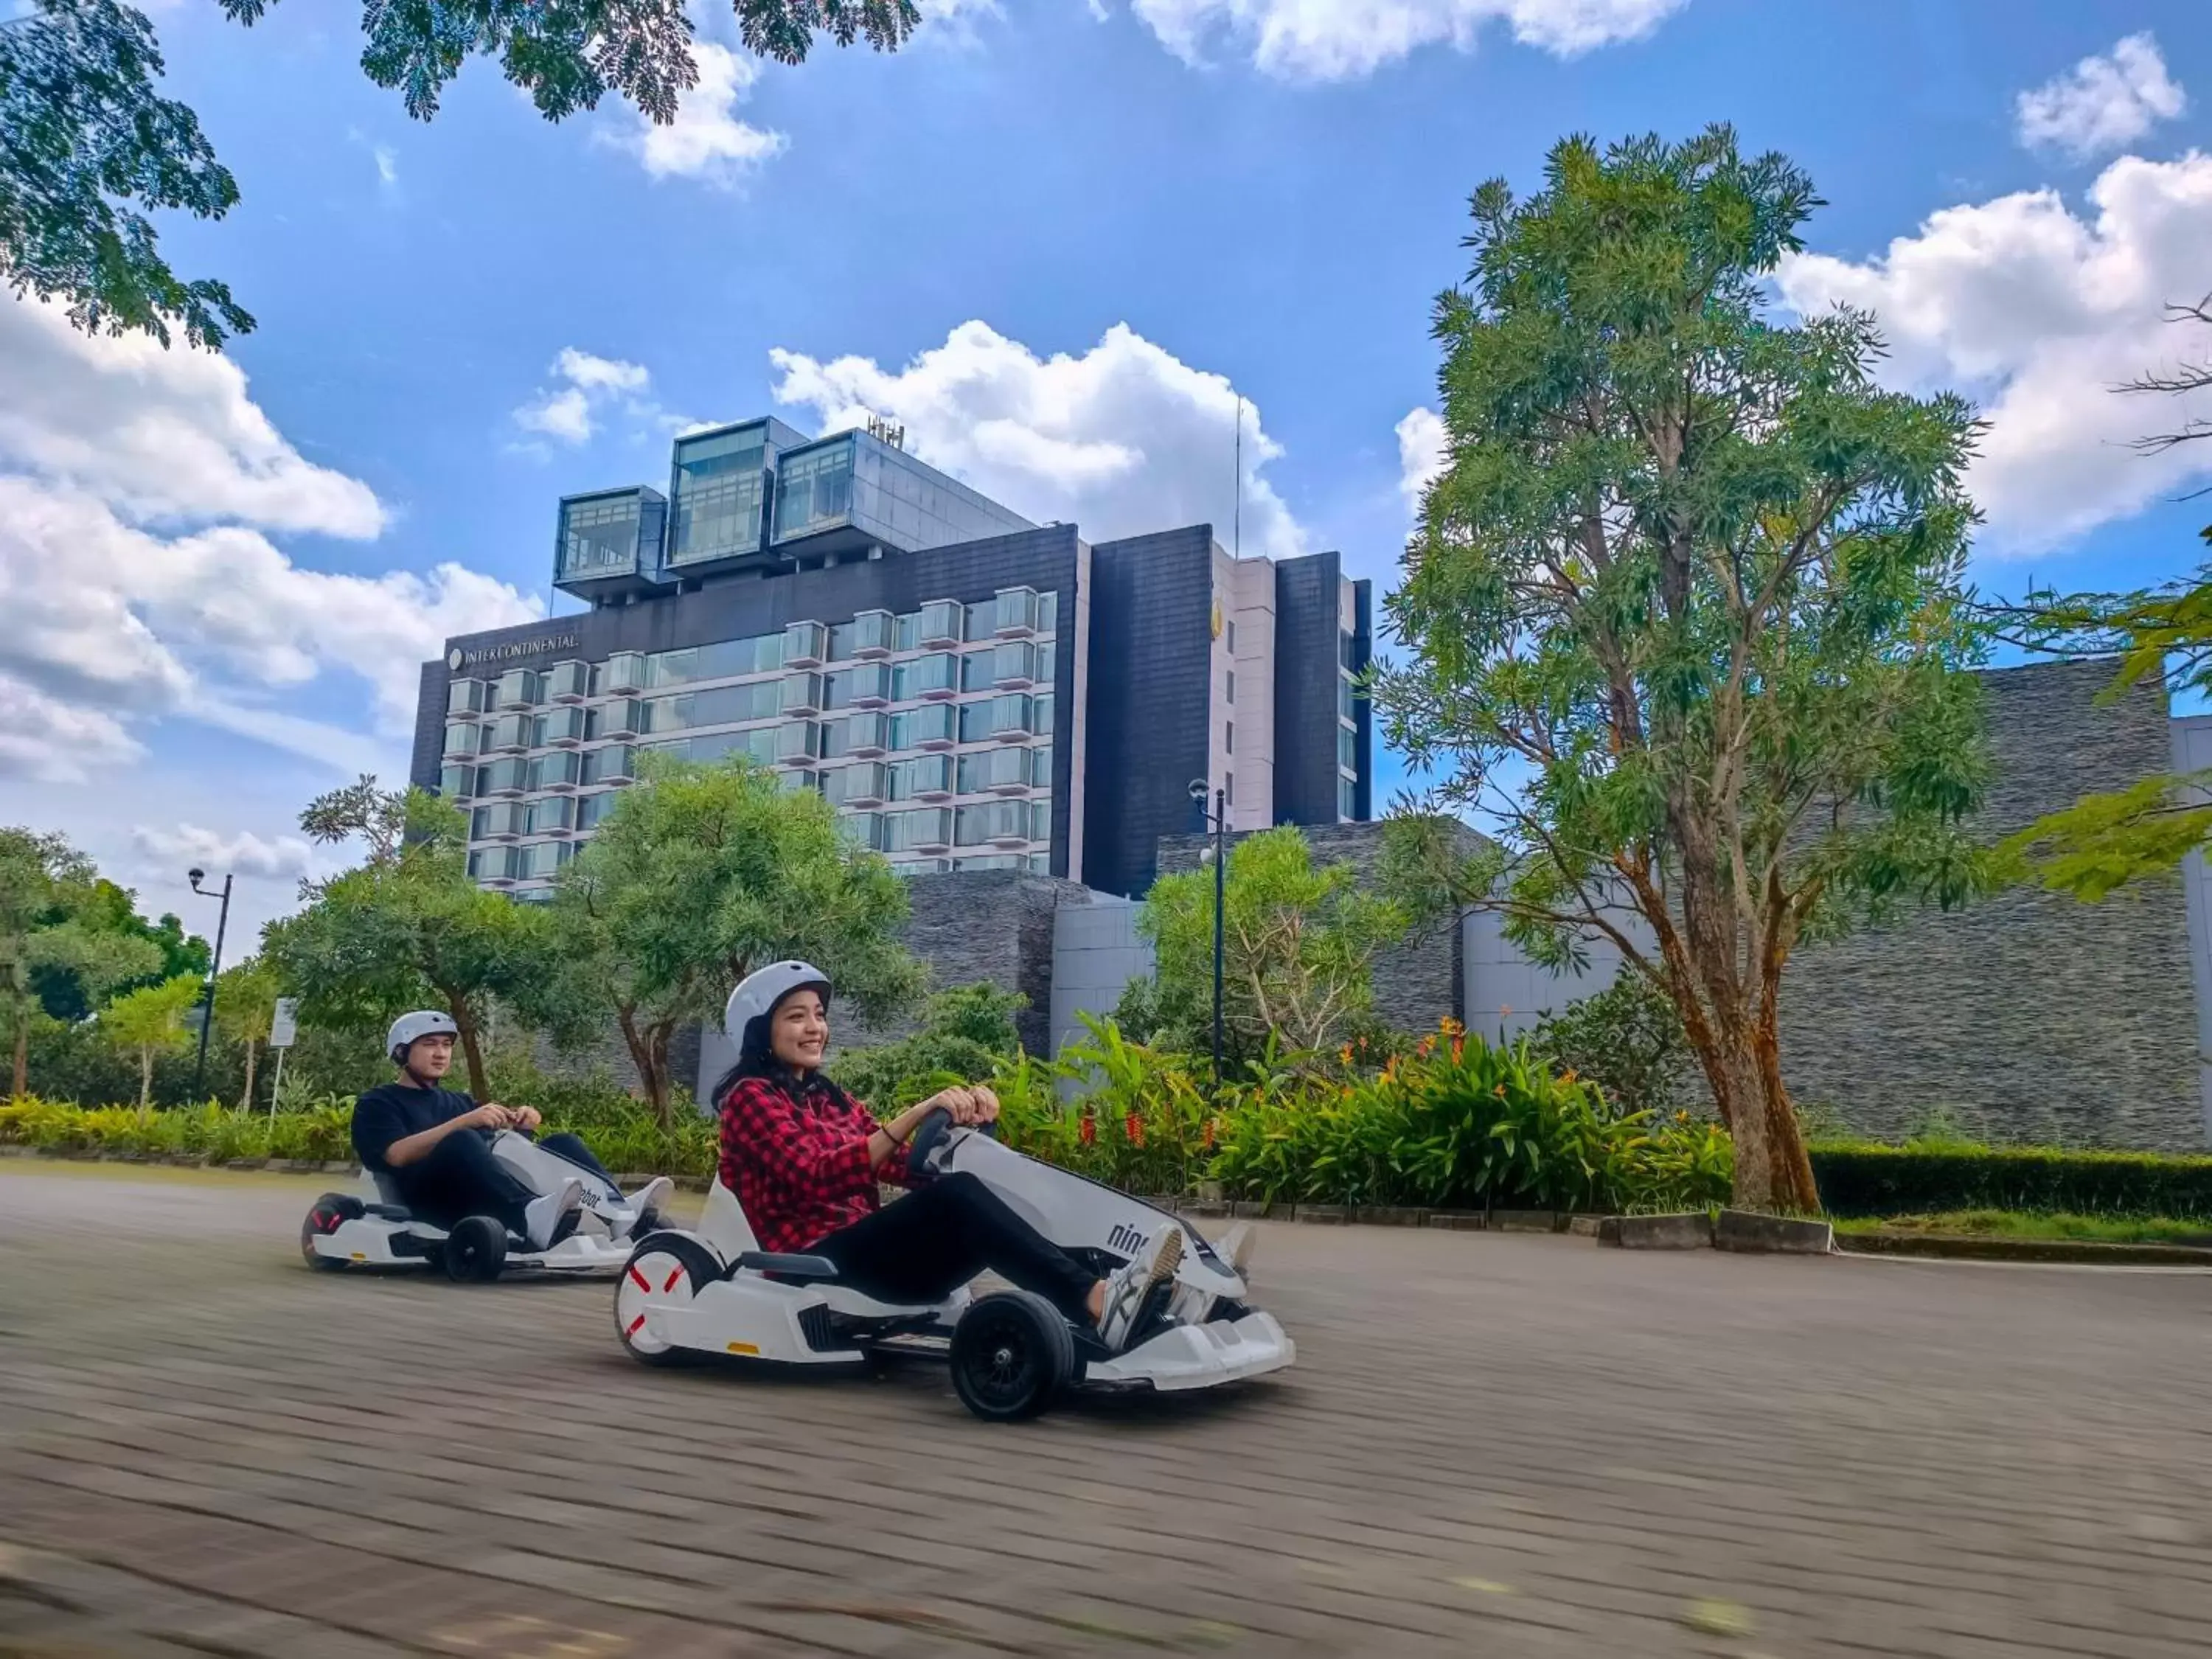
(282, 1028)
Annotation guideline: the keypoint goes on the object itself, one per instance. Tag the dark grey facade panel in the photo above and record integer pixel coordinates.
(1306, 653)
(1363, 654)
(1152, 644)
(429, 726)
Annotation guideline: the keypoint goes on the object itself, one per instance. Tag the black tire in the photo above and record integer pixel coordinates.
(662, 1267)
(475, 1250)
(323, 1218)
(1011, 1356)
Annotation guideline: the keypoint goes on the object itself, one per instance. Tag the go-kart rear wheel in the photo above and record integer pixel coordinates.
(475, 1250)
(666, 1270)
(1011, 1356)
(330, 1212)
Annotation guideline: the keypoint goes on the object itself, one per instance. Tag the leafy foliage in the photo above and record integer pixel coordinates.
(1684, 609)
(405, 929)
(963, 1035)
(1863, 1180)
(1626, 1039)
(1463, 1124)
(56, 938)
(86, 140)
(701, 874)
(1298, 950)
(150, 1021)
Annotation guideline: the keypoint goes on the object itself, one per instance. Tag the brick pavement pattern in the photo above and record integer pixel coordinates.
(1491, 1445)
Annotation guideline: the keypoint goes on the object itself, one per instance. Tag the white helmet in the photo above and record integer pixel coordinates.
(745, 1017)
(409, 1028)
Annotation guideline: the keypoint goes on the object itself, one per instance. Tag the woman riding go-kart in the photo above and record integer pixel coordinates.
(466, 1187)
(795, 1260)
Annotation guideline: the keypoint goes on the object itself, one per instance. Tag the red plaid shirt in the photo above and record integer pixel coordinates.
(797, 1160)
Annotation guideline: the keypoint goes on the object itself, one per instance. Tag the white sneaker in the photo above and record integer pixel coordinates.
(1131, 1288)
(647, 1203)
(544, 1221)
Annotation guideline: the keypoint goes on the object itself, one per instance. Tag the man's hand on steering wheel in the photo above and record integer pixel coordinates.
(986, 1105)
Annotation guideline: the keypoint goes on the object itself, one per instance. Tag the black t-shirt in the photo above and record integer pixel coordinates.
(397, 1110)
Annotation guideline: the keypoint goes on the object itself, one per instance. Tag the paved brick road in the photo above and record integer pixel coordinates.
(1491, 1446)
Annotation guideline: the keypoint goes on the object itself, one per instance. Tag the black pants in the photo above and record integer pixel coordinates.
(460, 1177)
(924, 1246)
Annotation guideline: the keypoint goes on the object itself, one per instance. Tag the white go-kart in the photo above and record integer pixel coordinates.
(711, 1292)
(373, 1228)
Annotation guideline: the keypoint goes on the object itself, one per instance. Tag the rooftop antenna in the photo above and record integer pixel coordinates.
(1236, 535)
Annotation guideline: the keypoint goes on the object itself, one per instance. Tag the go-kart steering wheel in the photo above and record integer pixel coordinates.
(928, 1138)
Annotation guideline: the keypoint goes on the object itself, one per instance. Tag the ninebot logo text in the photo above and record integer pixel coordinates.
(1125, 1239)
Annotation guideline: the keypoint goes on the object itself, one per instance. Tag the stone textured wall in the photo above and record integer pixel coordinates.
(1418, 982)
(2030, 1016)
(985, 924)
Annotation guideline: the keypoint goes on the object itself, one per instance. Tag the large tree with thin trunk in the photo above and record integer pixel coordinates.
(701, 874)
(88, 145)
(1683, 616)
(405, 929)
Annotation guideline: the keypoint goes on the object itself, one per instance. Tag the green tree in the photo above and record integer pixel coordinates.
(1298, 948)
(405, 929)
(2163, 633)
(53, 939)
(699, 875)
(1683, 611)
(108, 908)
(245, 1004)
(1626, 1039)
(149, 1022)
(88, 147)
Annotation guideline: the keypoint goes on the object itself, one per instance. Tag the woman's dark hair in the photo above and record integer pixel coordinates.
(756, 1058)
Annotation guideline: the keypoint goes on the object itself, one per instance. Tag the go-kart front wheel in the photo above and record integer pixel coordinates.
(475, 1250)
(331, 1212)
(1011, 1356)
(665, 1270)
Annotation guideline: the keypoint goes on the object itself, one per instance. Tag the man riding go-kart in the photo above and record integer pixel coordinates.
(466, 1185)
(795, 1260)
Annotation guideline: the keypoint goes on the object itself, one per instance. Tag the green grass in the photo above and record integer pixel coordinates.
(2019, 1224)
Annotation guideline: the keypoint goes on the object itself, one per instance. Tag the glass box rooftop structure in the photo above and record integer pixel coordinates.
(759, 494)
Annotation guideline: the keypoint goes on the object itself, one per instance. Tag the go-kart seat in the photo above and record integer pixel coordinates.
(723, 1227)
(389, 1204)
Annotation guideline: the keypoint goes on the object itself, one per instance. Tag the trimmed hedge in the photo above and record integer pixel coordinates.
(1883, 1181)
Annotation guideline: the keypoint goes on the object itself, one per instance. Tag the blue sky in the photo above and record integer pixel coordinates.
(1051, 238)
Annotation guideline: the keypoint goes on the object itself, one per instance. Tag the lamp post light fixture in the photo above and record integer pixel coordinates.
(1219, 824)
(207, 1005)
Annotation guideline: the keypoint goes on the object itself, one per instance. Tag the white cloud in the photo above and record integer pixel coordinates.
(137, 578)
(706, 141)
(2038, 313)
(1422, 442)
(244, 853)
(585, 385)
(1124, 438)
(388, 164)
(1342, 39)
(2102, 103)
(159, 434)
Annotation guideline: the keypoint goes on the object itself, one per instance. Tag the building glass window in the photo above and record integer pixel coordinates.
(814, 490)
(717, 483)
(517, 687)
(1232, 639)
(920, 727)
(457, 782)
(464, 696)
(924, 774)
(1041, 716)
(1229, 738)
(1346, 799)
(873, 632)
(1047, 613)
(1232, 696)
(725, 660)
(604, 765)
(975, 671)
(1015, 610)
(937, 672)
(1345, 700)
(591, 810)
(598, 537)
(1014, 663)
(940, 621)
(1347, 749)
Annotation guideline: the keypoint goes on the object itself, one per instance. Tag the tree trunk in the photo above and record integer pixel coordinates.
(464, 1021)
(20, 1084)
(640, 1043)
(246, 1104)
(145, 1076)
(1790, 1168)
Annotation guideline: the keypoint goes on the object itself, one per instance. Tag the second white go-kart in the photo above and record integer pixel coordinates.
(374, 1228)
(711, 1291)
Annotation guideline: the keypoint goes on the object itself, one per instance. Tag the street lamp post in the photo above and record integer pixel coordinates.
(207, 1013)
(1220, 827)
